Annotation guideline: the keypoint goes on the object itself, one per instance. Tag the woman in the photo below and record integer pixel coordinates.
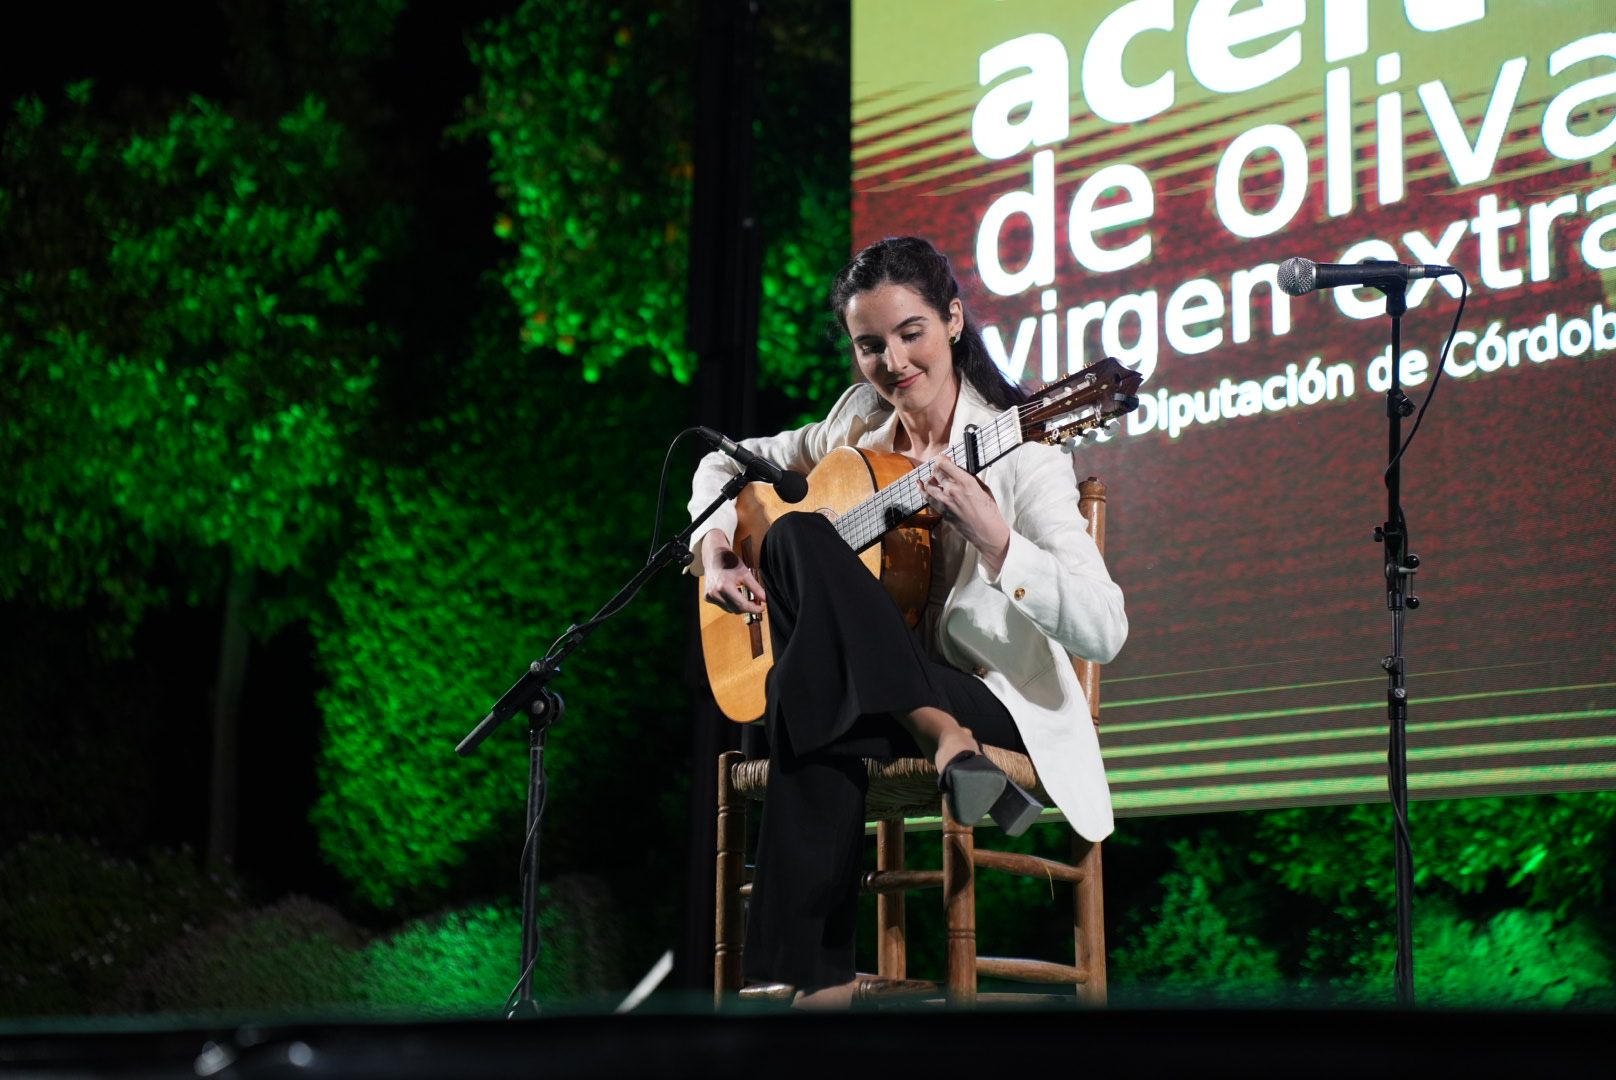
(1016, 584)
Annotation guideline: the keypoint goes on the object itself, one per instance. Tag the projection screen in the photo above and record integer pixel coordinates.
(1123, 179)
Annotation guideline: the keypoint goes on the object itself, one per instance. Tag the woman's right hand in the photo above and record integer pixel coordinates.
(730, 583)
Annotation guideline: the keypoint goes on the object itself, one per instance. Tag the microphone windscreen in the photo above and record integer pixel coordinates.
(792, 486)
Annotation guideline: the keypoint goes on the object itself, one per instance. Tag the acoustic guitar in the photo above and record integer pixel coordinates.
(876, 502)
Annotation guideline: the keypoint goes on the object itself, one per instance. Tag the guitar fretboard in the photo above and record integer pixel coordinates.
(900, 500)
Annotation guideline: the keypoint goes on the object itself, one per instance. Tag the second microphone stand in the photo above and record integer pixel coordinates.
(1399, 565)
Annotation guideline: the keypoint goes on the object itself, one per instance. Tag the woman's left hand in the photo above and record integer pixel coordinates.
(965, 502)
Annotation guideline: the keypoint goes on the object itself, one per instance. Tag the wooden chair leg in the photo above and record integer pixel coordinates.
(1088, 920)
(959, 904)
(730, 865)
(892, 958)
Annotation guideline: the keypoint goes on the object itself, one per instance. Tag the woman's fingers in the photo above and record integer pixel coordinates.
(965, 501)
(755, 588)
(735, 591)
(953, 477)
(937, 496)
(948, 487)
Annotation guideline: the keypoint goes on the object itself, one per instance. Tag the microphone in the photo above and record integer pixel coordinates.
(792, 487)
(1299, 276)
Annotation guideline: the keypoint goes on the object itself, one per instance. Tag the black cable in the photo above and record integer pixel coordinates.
(1400, 813)
(1464, 295)
(662, 492)
(656, 524)
(1397, 744)
(514, 996)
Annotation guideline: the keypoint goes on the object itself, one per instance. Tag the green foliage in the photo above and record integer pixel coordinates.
(82, 931)
(75, 921)
(458, 963)
(588, 139)
(586, 110)
(294, 954)
(797, 351)
(465, 962)
(182, 342)
(803, 180)
(1509, 901)
(468, 565)
(1200, 939)
(1557, 852)
(1515, 957)
(298, 954)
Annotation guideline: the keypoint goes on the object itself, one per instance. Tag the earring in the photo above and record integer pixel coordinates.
(955, 339)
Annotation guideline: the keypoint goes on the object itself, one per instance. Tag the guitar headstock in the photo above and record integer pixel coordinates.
(1082, 402)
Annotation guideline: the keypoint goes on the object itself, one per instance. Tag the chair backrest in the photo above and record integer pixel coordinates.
(1091, 504)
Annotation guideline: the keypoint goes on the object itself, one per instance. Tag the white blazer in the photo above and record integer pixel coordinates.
(1053, 595)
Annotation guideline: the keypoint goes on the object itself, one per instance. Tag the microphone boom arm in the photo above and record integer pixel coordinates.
(530, 687)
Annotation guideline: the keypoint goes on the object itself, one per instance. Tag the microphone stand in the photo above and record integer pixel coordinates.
(544, 707)
(1400, 566)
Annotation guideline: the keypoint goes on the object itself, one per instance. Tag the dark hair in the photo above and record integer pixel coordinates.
(911, 261)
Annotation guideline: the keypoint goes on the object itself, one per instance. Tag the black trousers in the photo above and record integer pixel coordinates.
(844, 663)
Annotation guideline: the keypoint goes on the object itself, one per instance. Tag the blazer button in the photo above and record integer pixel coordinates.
(980, 672)
(1019, 593)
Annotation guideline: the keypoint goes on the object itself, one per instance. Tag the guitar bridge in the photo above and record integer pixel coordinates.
(754, 628)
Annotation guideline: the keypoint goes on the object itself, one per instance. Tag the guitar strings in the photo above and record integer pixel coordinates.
(872, 515)
(872, 518)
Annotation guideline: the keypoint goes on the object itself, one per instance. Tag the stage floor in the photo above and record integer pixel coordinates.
(929, 1043)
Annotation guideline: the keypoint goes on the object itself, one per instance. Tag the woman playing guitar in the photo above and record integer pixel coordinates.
(1017, 584)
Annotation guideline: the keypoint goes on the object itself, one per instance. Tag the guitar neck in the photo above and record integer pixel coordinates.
(902, 499)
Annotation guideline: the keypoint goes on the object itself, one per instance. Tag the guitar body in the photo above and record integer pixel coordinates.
(737, 648)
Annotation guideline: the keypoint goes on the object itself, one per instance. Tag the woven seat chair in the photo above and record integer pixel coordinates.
(907, 789)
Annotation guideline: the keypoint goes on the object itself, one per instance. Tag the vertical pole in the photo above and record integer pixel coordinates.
(544, 711)
(1398, 565)
(892, 955)
(723, 296)
(959, 907)
(729, 863)
(1088, 920)
(1088, 895)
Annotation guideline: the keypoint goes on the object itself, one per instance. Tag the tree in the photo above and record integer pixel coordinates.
(184, 345)
(588, 134)
(467, 563)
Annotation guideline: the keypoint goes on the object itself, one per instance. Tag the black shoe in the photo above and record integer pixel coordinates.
(973, 786)
(1015, 810)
